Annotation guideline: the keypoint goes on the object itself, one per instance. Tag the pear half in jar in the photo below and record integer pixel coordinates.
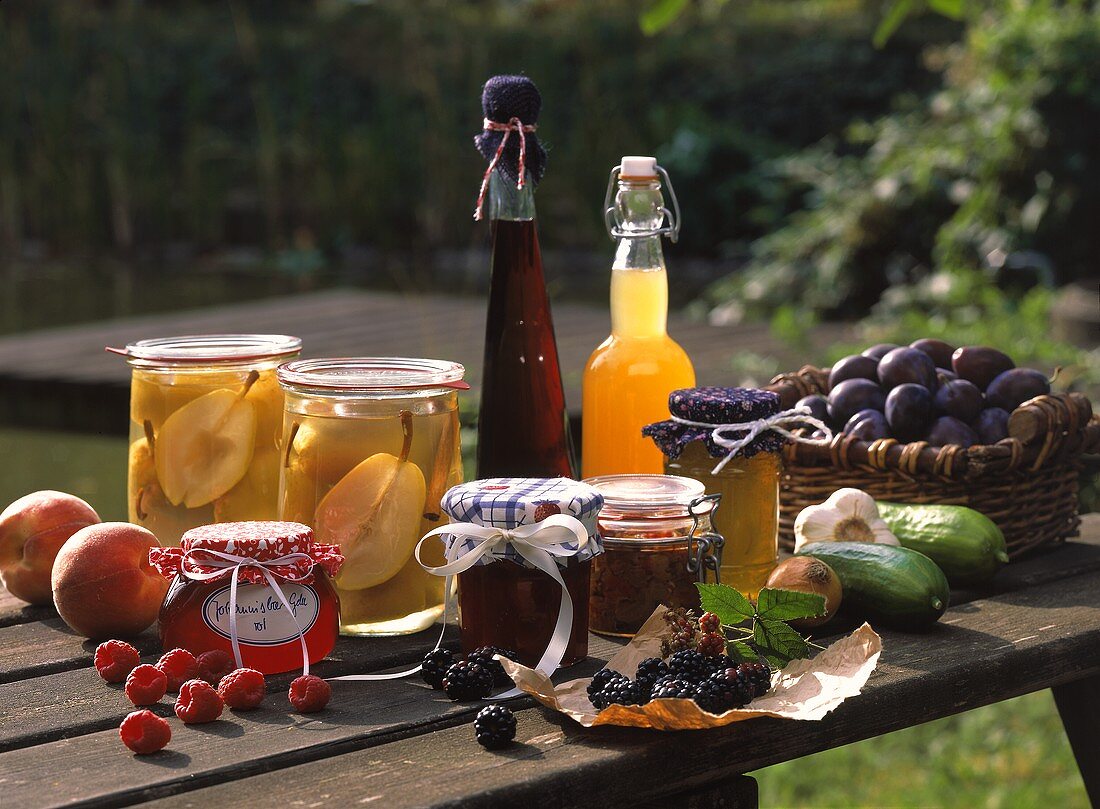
(205, 447)
(373, 513)
(148, 505)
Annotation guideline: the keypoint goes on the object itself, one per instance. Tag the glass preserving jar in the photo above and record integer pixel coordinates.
(748, 482)
(198, 609)
(657, 543)
(372, 444)
(505, 600)
(205, 426)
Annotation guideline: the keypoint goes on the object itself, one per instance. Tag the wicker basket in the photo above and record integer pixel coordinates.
(1026, 483)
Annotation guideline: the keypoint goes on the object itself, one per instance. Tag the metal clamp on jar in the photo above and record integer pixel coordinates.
(658, 542)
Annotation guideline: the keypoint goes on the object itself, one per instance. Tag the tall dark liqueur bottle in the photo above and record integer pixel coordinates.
(523, 425)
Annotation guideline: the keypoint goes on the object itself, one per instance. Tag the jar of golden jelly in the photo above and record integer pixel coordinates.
(205, 426)
(657, 543)
(696, 441)
(371, 446)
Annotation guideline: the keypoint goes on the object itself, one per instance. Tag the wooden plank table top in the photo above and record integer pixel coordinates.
(63, 378)
(398, 744)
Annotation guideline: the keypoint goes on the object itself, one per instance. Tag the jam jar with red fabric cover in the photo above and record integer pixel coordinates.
(283, 606)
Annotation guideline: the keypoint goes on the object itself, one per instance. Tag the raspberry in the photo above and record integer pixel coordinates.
(711, 644)
(214, 665)
(179, 666)
(144, 732)
(309, 693)
(709, 622)
(242, 689)
(146, 685)
(198, 702)
(115, 659)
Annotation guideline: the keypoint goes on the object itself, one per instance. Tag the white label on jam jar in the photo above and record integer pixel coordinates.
(262, 620)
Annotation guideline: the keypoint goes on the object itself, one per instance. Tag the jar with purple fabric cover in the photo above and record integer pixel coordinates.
(696, 443)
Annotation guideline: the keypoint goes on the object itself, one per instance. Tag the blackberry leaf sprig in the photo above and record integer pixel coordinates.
(767, 633)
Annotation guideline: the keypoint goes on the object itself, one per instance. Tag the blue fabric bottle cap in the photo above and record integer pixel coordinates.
(717, 406)
(512, 502)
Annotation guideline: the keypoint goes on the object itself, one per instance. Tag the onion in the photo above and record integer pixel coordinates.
(808, 575)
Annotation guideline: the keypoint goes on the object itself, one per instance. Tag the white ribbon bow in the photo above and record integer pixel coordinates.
(751, 429)
(538, 544)
(230, 564)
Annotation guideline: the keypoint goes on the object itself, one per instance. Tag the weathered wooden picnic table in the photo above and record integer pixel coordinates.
(399, 744)
(61, 378)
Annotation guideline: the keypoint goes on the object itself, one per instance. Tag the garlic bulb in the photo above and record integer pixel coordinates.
(849, 515)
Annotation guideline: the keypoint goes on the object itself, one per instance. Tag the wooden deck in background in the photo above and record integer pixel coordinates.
(63, 379)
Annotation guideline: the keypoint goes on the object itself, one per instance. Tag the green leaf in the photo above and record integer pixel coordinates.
(786, 605)
(776, 639)
(899, 11)
(727, 603)
(740, 651)
(661, 15)
(948, 8)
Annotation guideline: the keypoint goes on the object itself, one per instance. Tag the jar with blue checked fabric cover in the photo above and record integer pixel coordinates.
(527, 558)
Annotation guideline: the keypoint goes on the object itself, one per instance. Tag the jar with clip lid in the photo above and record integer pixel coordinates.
(658, 541)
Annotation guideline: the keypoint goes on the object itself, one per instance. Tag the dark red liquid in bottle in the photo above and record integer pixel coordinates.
(523, 426)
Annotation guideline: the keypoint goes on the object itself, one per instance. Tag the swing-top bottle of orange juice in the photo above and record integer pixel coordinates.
(628, 378)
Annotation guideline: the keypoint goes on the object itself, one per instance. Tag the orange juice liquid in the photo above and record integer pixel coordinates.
(628, 378)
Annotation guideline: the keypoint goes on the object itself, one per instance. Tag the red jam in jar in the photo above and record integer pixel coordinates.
(505, 600)
(267, 559)
(657, 542)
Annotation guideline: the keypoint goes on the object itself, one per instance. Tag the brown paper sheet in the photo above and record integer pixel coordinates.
(805, 689)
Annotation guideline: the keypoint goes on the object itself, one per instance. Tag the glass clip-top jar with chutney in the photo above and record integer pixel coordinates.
(731, 440)
(658, 542)
(522, 550)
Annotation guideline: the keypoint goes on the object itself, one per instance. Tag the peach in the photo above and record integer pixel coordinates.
(103, 584)
(32, 531)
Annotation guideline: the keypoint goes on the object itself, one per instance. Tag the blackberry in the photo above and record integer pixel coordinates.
(709, 622)
(719, 693)
(598, 697)
(683, 626)
(649, 671)
(721, 662)
(495, 727)
(737, 682)
(620, 692)
(674, 688)
(689, 664)
(466, 681)
(435, 665)
(759, 676)
(602, 678)
(711, 644)
(483, 656)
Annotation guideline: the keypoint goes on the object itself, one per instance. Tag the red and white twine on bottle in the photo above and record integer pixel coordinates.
(513, 125)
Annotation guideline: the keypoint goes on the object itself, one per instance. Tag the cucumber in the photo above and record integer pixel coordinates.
(966, 544)
(888, 585)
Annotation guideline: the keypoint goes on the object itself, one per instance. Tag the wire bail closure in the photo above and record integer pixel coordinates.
(614, 224)
(704, 549)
